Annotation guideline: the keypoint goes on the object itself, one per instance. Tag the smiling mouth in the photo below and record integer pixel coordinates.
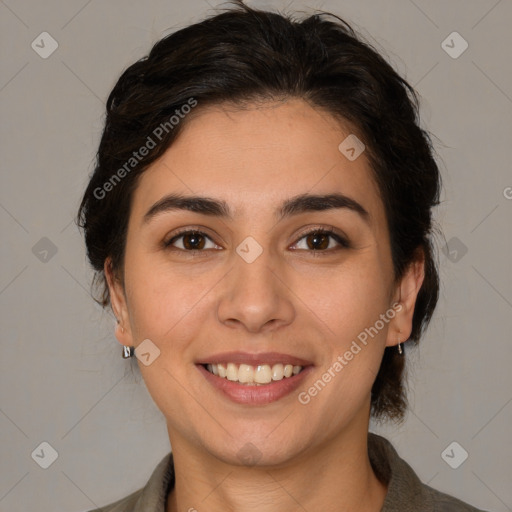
(253, 375)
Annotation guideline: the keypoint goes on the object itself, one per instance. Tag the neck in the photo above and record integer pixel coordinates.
(337, 476)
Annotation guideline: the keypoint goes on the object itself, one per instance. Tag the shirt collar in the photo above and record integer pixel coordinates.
(405, 490)
(153, 497)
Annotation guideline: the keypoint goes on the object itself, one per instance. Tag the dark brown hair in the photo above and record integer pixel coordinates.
(245, 55)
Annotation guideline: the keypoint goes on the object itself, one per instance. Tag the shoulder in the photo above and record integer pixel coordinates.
(150, 498)
(126, 504)
(406, 493)
(442, 502)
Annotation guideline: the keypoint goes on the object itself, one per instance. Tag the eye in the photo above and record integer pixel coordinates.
(319, 240)
(316, 240)
(190, 240)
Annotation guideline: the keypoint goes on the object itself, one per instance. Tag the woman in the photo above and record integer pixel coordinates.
(260, 221)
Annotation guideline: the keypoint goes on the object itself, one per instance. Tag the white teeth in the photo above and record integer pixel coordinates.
(253, 375)
(263, 374)
(232, 372)
(245, 373)
(277, 372)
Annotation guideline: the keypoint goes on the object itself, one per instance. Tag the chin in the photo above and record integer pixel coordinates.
(257, 449)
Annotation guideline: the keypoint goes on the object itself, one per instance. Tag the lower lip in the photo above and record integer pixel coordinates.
(256, 395)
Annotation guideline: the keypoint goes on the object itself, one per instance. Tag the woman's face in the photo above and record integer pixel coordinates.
(258, 290)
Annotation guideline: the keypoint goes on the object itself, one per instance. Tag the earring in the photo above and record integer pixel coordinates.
(399, 346)
(128, 352)
(400, 351)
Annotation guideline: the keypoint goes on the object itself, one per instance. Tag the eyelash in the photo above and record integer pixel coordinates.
(319, 231)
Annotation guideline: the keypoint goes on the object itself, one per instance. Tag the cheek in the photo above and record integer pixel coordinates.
(165, 302)
(348, 298)
(349, 305)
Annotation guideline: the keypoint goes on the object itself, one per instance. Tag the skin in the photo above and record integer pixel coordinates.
(288, 300)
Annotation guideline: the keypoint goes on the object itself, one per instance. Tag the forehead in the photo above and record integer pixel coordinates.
(256, 157)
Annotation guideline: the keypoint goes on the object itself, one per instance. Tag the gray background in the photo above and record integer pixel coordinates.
(62, 379)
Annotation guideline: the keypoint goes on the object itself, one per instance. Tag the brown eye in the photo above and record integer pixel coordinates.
(320, 240)
(190, 241)
(317, 241)
(193, 241)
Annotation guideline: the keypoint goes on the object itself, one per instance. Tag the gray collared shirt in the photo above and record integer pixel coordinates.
(405, 493)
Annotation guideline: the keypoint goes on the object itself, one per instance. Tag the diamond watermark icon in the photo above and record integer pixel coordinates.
(147, 352)
(249, 249)
(44, 45)
(44, 250)
(45, 455)
(454, 45)
(454, 455)
(454, 250)
(351, 147)
(249, 454)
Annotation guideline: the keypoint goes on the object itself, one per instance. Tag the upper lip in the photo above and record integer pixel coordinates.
(269, 358)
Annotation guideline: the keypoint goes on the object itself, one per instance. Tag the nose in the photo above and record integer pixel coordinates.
(255, 297)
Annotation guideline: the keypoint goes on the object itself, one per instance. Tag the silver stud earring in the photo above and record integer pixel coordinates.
(128, 352)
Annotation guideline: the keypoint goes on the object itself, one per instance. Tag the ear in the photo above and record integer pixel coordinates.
(119, 305)
(406, 293)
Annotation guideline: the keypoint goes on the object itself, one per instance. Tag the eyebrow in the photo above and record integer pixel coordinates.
(218, 208)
